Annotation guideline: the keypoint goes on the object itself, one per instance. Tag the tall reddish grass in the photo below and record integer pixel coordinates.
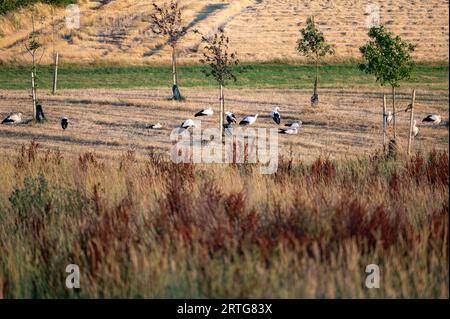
(156, 229)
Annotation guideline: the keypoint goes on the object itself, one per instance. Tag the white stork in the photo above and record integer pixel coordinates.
(155, 126)
(248, 120)
(409, 107)
(415, 129)
(13, 118)
(231, 118)
(187, 124)
(433, 118)
(294, 124)
(389, 116)
(206, 112)
(275, 115)
(289, 131)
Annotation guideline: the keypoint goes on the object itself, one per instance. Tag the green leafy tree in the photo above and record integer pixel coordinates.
(312, 44)
(166, 21)
(389, 59)
(220, 64)
(10, 5)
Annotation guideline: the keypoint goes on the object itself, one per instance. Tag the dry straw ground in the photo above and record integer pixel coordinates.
(259, 30)
(347, 123)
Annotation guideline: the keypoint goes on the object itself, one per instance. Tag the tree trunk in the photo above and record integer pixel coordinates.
(222, 110)
(411, 122)
(315, 96)
(393, 113)
(384, 124)
(316, 82)
(175, 90)
(33, 95)
(55, 73)
(174, 66)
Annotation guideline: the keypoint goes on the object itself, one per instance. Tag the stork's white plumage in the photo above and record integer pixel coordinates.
(289, 131)
(294, 124)
(415, 129)
(231, 118)
(433, 118)
(275, 115)
(206, 112)
(187, 124)
(13, 118)
(248, 120)
(155, 126)
(389, 117)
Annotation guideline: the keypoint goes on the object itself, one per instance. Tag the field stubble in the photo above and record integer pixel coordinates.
(347, 123)
(258, 30)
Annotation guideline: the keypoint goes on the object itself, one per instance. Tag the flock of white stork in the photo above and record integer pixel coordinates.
(291, 128)
(431, 118)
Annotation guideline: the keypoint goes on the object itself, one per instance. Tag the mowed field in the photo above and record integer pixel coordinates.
(111, 121)
(259, 30)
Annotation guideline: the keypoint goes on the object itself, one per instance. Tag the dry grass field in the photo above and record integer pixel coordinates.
(259, 30)
(347, 123)
(153, 229)
(105, 196)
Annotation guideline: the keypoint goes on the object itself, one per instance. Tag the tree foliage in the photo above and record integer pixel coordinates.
(217, 56)
(10, 5)
(387, 57)
(166, 21)
(312, 42)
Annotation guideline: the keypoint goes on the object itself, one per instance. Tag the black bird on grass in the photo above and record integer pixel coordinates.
(64, 122)
(40, 117)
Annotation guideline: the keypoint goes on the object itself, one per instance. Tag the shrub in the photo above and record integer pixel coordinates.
(10, 5)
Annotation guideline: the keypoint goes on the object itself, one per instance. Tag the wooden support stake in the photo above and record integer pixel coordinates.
(55, 73)
(33, 94)
(384, 123)
(394, 113)
(411, 122)
(222, 109)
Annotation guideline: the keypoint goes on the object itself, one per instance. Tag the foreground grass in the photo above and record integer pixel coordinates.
(256, 75)
(155, 229)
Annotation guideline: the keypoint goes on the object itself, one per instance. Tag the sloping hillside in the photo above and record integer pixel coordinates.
(260, 30)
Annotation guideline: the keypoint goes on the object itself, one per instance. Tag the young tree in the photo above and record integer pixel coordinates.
(166, 21)
(220, 62)
(312, 44)
(32, 46)
(389, 59)
(55, 54)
